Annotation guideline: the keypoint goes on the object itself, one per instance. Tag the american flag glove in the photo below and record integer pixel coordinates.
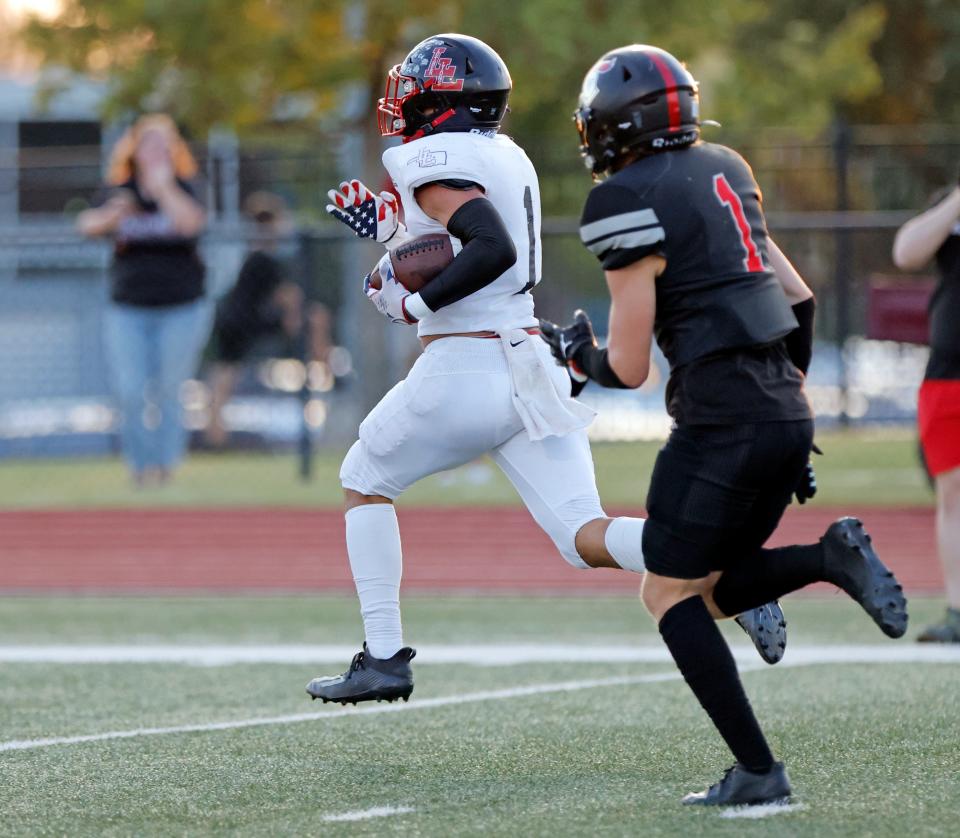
(390, 296)
(370, 216)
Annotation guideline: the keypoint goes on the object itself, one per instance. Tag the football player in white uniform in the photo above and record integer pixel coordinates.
(486, 383)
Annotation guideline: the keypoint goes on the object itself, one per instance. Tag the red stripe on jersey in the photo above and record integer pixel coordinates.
(673, 100)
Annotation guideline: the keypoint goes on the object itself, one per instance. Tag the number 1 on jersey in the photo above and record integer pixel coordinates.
(731, 200)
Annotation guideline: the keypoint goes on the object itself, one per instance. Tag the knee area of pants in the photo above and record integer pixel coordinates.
(352, 470)
(568, 549)
(564, 537)
(570, 519)
(358, 474)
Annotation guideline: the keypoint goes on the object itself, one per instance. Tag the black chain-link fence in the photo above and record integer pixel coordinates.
(833, 204)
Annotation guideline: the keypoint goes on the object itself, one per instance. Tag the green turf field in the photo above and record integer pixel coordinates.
(872, 748)
(877, 467)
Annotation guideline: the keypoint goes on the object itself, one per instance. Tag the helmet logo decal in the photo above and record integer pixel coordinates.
(591, 84)
(443, 72)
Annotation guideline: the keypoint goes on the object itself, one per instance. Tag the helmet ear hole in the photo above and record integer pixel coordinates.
(627, 75)
(469, 67)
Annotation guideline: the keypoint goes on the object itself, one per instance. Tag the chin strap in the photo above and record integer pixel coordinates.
(431, 126)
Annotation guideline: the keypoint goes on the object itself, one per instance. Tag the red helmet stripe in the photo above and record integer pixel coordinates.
(673, 100)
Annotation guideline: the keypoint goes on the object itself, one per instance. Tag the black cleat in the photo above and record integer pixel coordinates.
(851, 563)
(946, 631)
(368, 679)
(740, 787)
(767, 628)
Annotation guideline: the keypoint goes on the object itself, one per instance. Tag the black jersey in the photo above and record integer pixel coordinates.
(251, 298)
(153, 264)
(945, 312)
(721, 312)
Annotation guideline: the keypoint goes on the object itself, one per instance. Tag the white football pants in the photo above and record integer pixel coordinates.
(456, 405)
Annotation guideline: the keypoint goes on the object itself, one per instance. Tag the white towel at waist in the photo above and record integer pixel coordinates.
(542, 408)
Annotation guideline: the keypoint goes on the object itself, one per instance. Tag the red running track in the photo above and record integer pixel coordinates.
(261, 549)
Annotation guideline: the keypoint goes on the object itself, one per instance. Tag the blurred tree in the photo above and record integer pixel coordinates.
(236, 62)
(240, 61)
(797, 65)
(761, 62)
(918, 53)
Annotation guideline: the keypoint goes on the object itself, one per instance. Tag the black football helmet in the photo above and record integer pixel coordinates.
(446, 83)
(636, 99)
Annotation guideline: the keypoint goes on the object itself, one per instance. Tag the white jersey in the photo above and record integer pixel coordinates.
(506, 175)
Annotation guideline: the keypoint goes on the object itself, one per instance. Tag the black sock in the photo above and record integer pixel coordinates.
(706, 664)
(768, 576)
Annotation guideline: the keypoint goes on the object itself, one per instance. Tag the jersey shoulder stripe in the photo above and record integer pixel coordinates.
(627, 240)
(619, 226)
(596, 230)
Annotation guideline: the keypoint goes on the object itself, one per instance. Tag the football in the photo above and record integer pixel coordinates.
(419, 261)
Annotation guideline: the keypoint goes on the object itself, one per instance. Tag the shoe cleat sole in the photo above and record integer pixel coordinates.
(883, 601)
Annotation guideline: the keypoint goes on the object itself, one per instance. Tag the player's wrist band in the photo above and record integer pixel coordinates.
(799, 342)
(415, 308)
(595, 364)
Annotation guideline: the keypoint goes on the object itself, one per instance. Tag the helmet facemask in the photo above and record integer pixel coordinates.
(400, 89)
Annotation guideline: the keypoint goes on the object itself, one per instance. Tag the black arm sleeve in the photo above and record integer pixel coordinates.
(595, 364)
(800, 341)
(487, 252)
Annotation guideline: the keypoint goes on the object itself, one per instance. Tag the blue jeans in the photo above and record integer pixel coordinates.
(151, 352)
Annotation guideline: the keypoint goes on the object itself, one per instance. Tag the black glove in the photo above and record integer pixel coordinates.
(807, 487)
(566, 341)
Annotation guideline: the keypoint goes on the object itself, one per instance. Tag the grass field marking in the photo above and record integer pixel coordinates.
(366, 814)
(488, 654)
(295, 718)
(764, 810)
(902, 653)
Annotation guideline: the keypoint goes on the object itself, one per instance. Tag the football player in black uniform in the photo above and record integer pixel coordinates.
(677, 225)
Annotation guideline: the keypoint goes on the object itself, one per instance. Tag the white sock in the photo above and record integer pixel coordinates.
(624, 541)
(373, 545)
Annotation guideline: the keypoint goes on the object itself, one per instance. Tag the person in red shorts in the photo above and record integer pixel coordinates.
(936, 234)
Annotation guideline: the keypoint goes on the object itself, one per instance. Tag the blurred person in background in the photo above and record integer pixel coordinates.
(264, 303)
(935, 234)
(156, 321)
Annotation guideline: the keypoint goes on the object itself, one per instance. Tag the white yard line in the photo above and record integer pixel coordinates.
(764, 810)
(366, 814)
(489, 654)
(294, 718)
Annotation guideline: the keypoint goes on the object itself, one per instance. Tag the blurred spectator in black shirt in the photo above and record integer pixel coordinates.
(264, 303)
